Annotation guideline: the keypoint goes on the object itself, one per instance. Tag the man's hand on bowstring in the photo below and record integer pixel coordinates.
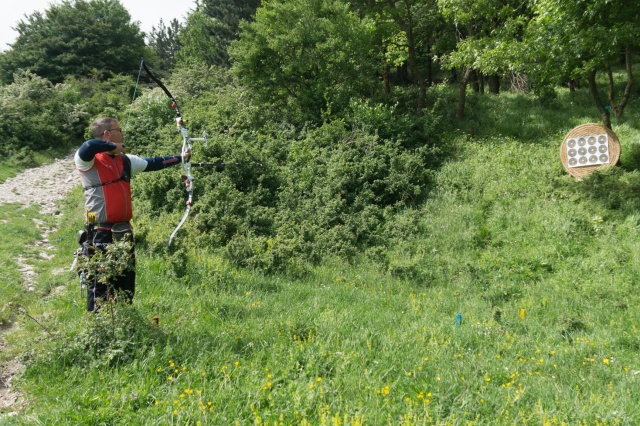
(121, 148)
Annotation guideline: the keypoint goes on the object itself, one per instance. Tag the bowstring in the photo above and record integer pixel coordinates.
(135, 90)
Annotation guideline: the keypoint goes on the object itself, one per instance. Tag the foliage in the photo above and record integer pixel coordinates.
(487, 32)
(96, 96)
(291, 197)
(211, 28)
(112, 336)
(36, 117)
(72, 39)
(109, 264)
(305, 59)
(569, 40)
(164, 42)
(199, 45)
(542, 269)
(40, 117)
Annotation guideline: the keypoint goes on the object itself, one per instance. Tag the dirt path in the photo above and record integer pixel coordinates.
(45, 186)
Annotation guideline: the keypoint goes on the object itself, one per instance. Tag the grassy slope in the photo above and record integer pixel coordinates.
(505, 229)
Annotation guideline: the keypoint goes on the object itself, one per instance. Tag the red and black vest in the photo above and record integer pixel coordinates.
(107, 189)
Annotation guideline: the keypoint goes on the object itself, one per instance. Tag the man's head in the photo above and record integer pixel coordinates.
(107, 129)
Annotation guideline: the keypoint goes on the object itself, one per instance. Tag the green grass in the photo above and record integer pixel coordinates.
(376, 342)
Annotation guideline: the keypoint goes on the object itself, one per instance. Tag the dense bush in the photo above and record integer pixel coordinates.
(39, 116)
(35, 116)
(289, 196)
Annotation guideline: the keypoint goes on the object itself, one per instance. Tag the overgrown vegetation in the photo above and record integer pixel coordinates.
(370, 254)
(542, 269)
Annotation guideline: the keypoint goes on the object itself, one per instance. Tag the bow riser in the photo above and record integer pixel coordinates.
(186, 150)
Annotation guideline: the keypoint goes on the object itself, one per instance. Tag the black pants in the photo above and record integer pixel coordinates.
(123, 286)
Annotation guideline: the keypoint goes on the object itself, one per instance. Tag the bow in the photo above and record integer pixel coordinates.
(186, 149)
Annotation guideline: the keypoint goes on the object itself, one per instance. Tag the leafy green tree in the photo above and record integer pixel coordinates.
(73, 38)
(576, 40)
(37, 116)
(199, 44)
(484, 30)
(552, 41)
(230, 12)
(211, 28)
(412, 18)
(164, 42)
(405, 34)
(306, 57)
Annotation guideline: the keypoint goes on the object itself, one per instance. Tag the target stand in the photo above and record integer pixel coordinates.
(589, 147)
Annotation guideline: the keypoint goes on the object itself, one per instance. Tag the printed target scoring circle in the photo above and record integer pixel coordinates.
(589, 150)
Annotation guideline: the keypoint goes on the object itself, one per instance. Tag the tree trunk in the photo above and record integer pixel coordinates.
(429, 68)
(402, 75)
(593, 87)
(386, 78)
(618, 107)
(415, 70)
(473, 79)
(462, 97)
(406, 25)
(494, 84)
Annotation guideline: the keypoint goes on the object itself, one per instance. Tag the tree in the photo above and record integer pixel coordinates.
(484, 29)
(576, 40)
(36, 116)
(552, 41)
(406, 33)
(74, 38)
(164, 41)
(230, 12)
(199, 43)
(211, 28)
(306, 57)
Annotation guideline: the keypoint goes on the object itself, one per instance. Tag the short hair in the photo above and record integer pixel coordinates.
(101, 124)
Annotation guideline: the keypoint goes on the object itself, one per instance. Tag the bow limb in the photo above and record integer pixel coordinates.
(186, 149)
(188, 181)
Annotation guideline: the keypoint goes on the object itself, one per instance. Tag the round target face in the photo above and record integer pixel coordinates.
(588, 150)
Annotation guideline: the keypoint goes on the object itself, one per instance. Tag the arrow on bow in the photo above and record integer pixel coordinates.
(186, 149)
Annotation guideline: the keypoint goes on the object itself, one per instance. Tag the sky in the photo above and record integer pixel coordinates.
(147, 12)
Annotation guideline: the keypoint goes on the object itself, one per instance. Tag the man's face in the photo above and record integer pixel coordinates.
(114, 134)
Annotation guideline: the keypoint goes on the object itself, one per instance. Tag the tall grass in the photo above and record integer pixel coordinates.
(512, 303)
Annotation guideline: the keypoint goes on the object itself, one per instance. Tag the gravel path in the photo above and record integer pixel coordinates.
(44, 186)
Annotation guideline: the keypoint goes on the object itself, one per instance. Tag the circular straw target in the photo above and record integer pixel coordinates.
(589, 147)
